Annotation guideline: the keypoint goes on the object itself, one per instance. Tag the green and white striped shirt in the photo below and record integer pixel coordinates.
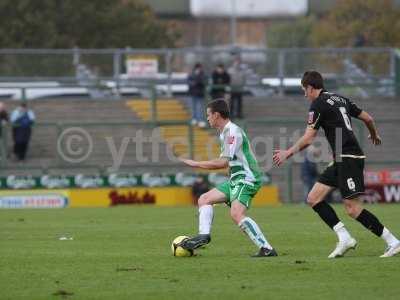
(235, 146)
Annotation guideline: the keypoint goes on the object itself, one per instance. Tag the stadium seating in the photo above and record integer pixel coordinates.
(205, 143)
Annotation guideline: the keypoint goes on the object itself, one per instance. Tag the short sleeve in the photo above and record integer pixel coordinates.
(354, 110)
(314, 117)
(231, 144)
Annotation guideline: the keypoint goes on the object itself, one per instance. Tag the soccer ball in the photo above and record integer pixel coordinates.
(179, 251)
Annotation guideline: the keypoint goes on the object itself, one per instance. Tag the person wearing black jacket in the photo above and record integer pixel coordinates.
(22, 120)
(197, 83)
(220, 80)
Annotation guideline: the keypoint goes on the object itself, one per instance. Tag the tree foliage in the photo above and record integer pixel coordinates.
(349, 23)
(81, 23)
(368, 23)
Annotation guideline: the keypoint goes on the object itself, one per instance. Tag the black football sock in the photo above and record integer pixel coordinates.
(371, 222)
(326, 213)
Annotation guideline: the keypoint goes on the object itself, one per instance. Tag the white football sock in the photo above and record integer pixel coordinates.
(254, 233)
(388, 237)
(341, 232)
(206, 214)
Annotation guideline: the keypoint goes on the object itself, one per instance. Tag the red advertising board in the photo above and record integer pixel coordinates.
(384, 193)
(382, 186)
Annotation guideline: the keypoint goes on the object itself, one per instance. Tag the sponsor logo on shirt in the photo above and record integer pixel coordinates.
(231, 140)
(310, 117)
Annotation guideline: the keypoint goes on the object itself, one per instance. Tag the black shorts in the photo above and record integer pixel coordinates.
(347, 175)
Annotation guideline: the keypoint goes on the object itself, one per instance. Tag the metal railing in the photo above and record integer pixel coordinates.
(358, 67)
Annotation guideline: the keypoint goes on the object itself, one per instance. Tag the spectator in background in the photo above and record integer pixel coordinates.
(197, 84)
(200, 186)
(309, 170)
(238, 80)
(3, 120)
(22, 120)
(220, 80)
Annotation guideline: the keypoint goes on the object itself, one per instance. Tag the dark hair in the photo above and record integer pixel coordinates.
(312, 78)
(220, 106)
(197, 65)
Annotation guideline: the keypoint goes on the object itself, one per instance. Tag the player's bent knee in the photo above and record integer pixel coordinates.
(204, 199)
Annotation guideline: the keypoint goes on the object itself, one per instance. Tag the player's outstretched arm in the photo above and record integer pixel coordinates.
(370, 123)
(280, 156)
(219, 163)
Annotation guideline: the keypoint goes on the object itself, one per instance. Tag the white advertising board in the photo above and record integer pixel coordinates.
(248, 8)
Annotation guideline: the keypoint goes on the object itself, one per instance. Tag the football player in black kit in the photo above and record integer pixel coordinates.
(333, 113)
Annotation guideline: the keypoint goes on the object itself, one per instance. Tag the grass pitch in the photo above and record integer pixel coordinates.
(124, 253)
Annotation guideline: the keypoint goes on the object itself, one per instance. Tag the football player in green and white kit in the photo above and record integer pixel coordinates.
(244, 182)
